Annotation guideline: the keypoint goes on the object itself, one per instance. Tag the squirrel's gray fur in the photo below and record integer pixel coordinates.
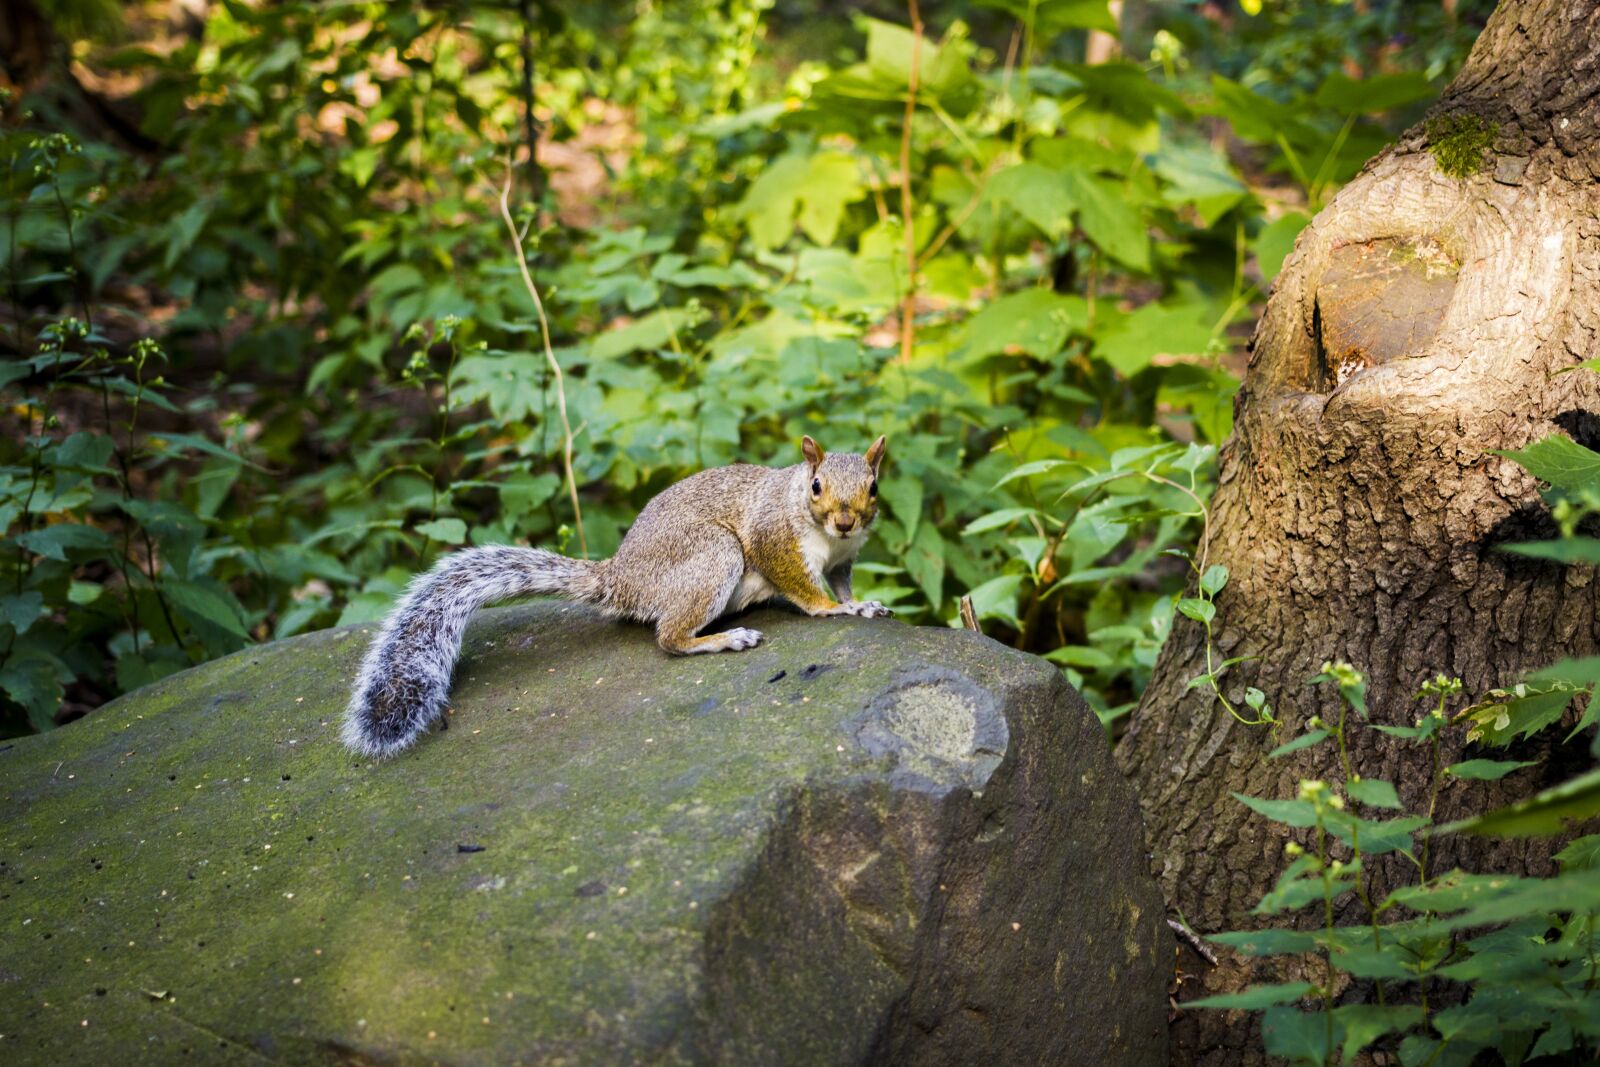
(712, 544)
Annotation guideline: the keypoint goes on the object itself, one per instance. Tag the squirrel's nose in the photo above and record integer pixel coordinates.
(845, 523)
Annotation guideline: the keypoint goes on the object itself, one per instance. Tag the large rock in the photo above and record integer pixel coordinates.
(860, 842)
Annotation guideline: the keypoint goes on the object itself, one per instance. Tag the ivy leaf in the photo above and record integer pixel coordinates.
(1214, 579)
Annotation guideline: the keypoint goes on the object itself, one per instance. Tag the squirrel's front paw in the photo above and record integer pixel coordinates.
(867, 609)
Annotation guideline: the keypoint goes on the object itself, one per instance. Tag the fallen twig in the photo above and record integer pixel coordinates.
(1194, 941)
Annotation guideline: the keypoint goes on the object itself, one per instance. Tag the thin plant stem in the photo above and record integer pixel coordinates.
(908, 303)
(550, 358)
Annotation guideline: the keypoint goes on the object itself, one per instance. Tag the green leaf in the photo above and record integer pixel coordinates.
(1080, 656)
(1545, 813)
(996, 519)
(997, 599)
(1486, 770)
(1199, 610)
(1378, 836)
(21, 610)
(1131, 343)
(1374, 792)
(1299, 1036)
(1036, 321)
(205, 605)
(1274, 941)
(1029, 470)
(34, 682)
(1563, 550)
(1581, 855)
(904, 497)
(1370, 96)
(1255, 998)
(1276, 240)
(54, 542)
(449, 531)
(648, 332)
(1305, 740)
(1561, 461)
(1214, 579)
(1365, 1023)
(1297, 813)
(925, 563)
(1108, 217)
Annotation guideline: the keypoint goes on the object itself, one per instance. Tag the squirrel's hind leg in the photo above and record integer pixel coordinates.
(701, 588)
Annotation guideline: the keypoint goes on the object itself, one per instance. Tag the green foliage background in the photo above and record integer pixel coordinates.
(274, 356)
(270, 352)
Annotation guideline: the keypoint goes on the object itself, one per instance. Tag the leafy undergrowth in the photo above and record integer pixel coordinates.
(275, 356)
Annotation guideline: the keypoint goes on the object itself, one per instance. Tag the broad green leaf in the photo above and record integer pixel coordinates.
(1029, 470)
(1214, 579)
(1297, 813)
(904, 497)
(54, 542)
(1298, 1036)
(449, 531)
(1545, 813)
(1037, 193)
(1370, 96)
(1378, 836)
(652, 331)
(1581, 855)
(1365, 1023)
(996, 519)
(21, 610)
(1199, 610)
(1107, 216)
(926, 564)
(1080, 656)
(1130, 344)
(1486, 769)
(997, 599)
(1276, 240)
(1561, 461)
(1269, 942)
(205, 605)
(1036, 321)
(1374, 792)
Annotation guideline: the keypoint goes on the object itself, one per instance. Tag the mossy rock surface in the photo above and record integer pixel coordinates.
(859, 842)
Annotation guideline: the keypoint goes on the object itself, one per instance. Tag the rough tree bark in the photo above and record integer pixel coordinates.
(1416, 328)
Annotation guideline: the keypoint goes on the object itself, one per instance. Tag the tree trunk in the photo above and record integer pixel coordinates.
(1418, 326)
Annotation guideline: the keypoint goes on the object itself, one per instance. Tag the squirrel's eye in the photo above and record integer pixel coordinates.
(872, 490)
(816, 487)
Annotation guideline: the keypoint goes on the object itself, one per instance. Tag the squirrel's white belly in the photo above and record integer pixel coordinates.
(752, 589)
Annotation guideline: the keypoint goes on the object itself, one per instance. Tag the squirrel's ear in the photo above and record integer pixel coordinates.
(874, 455)
(813, 452)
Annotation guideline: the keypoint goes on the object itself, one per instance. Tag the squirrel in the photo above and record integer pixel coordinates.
(707, 546)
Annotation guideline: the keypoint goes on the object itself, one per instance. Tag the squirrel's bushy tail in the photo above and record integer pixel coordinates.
(405, 678)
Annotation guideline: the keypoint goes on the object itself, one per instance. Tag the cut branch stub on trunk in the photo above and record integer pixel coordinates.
(1417, 329)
